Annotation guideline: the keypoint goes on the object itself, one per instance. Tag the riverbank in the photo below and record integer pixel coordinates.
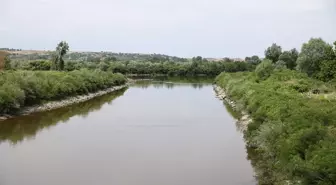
(61, 103)
(292, 133)
(21, 89)
(244, 118)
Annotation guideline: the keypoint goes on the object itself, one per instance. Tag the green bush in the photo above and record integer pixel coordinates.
(293, 135)
(264, 69)
(21, 88)
(143, 67)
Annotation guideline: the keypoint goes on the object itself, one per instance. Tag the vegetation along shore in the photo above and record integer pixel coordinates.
(20, 89)
(292, 106)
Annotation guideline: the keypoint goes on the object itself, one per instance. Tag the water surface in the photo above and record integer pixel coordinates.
(153, 133)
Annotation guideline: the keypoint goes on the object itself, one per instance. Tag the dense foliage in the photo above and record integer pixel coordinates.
(7, 64)
(264, 69)
(20, 88)
(313, 55)
(289, 57)
(97, 57)
(273, 52)
(294, 124)
(317, 59)
(3, 55)
(58, 61)
(133, 67)
(293, 133)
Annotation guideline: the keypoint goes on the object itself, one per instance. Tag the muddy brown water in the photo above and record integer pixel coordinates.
(153, 133)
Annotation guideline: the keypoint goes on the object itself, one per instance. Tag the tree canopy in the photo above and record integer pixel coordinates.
(289, 57)
(312, 54)
(273, 52)
(61, 49)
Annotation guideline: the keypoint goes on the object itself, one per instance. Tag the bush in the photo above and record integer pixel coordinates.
(264, 69)
(21, 88)
(293, 135)
(280, 65)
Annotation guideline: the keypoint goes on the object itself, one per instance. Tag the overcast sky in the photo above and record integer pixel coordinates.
(185, 28)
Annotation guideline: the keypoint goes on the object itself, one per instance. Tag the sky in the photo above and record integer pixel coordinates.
(184, 28)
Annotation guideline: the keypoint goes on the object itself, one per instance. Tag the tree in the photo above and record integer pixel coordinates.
(197, 59)
(273, 52)
(264, 69)
(227, 59)
(61, 49)
(312, 54)
(103, 66)
(327, 70)
(289, 57)
(280, 65)
(253, 60)
(7, 63)
(111, 58)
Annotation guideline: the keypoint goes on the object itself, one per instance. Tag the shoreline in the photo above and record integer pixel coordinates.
(61, 103)
(244, 119)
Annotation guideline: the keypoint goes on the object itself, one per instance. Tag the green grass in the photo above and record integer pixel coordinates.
(22, 88)
(293, 134)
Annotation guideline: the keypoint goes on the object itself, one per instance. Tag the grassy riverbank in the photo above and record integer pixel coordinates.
(294, 125)
(23, 88)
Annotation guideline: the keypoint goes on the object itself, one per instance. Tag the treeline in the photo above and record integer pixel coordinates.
(155, 64)
(317, 59)
(293, 132)
(99, 57)
(22, 88)
(10, 49)
(195, 67)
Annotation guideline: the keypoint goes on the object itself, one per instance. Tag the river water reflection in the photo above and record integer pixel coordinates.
(153, 133)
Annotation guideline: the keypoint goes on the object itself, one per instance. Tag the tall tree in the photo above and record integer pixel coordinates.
(327, 70)
(197, 59)
(253, 60)
(312, 54)
(273, 52)
(264, 69)
(61, 49)
(289, 57)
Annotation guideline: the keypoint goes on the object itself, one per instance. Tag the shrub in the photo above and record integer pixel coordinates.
(21, 88)
(293, 136)
(264, 69)
(280, 65)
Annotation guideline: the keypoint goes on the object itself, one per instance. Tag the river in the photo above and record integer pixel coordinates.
(153, 133)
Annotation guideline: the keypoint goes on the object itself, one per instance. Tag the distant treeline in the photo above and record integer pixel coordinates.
(10, 49)
(99, 57)
(133, 67)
